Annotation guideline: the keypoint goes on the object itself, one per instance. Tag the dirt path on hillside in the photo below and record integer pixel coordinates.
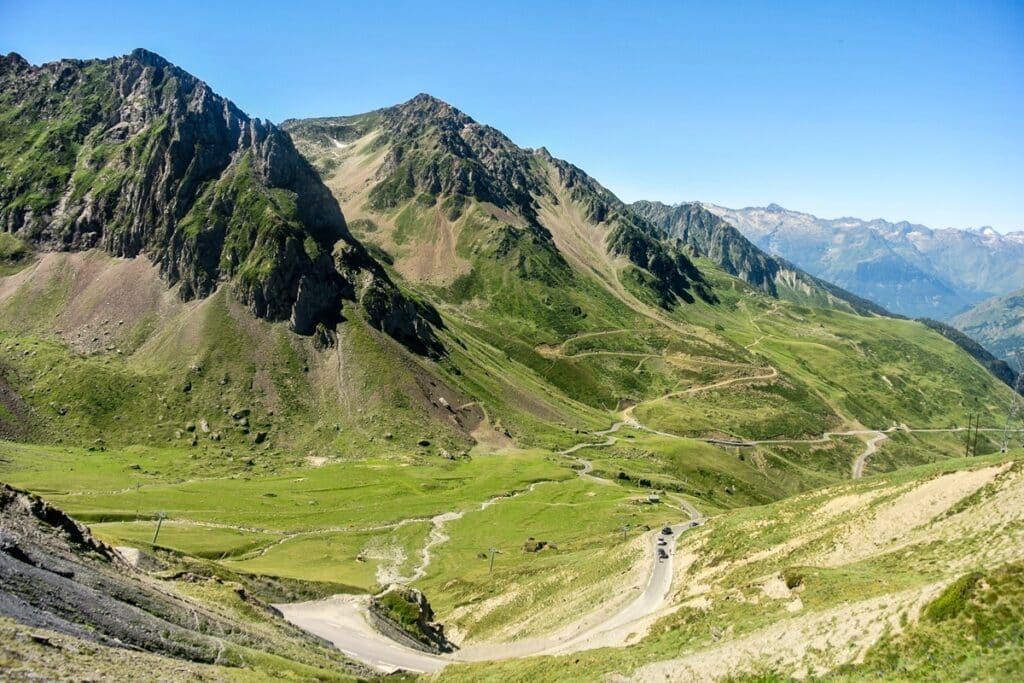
(437, 535)
(343, 620)
(771, 374)
(860, 462)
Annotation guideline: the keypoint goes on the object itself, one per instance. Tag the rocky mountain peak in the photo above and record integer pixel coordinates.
(147, 58)
(437, 150)
(422, 114)
(13, 62)
(432, 107)
(141, 157)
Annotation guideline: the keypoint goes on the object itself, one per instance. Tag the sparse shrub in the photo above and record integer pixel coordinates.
(953, 600)
(793, 576)
(11, 248)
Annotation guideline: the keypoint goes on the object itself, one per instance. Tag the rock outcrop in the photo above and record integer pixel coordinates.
(136, 156)
(387, 308)
(55, 575)
(404, 614)
(711, 236)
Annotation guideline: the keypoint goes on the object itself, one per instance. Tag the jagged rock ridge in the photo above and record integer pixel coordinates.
(136, 156)
(438, 154)
(711, 236)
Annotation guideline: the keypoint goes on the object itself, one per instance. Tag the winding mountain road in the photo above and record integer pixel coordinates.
(343, 620)
(862, 459)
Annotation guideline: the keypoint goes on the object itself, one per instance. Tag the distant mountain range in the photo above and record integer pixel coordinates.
(997, 323)
(711, 236)
(907, 268)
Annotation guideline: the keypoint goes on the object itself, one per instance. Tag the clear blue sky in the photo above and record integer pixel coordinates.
(899, 110)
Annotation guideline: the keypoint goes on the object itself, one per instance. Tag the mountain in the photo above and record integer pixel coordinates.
(999, 368)
(154, 235)
(907, 268)
(529, 258)
(997, 323)
(435, 155)
(135, 156)
(302, 364)
(725, 245)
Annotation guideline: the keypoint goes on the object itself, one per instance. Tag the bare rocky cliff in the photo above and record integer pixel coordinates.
(136, 156)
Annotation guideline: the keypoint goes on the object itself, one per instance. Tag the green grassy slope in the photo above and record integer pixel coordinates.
(329, 458)
(540, 285)
(919, 570)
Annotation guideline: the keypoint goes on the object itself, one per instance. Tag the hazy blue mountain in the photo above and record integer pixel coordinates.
(907, 268)
(997, 323)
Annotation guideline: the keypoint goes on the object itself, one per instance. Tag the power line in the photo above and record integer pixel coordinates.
(1015, 402)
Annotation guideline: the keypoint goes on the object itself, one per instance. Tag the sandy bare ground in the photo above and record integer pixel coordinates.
(876, 522)
(890, 527)
(842, 632)
(100, 313)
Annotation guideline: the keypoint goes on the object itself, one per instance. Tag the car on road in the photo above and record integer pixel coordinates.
(694, 523)
(662, 554)
(661, 541)
(667, 530)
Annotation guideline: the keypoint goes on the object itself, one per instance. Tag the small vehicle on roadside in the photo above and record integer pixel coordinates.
(662, 554)
(667, 531)
(661, 541)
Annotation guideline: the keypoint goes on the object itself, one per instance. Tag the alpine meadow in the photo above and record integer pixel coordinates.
(387, 395)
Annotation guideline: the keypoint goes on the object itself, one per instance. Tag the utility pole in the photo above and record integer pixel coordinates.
(159, 522)
(974, 446)
(493, 551)
(967, 442)
(1016, 409)
(625, 528)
